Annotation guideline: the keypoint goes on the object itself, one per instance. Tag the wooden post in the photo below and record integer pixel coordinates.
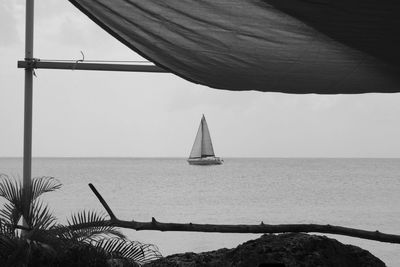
(27, 160)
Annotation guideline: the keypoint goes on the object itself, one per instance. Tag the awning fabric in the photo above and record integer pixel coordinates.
(289, 46)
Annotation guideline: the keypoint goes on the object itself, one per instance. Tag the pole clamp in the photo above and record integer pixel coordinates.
(31, 63)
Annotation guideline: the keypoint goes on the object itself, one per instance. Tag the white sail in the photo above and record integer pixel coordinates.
(202, 146)
(206, 145)
(196, 149)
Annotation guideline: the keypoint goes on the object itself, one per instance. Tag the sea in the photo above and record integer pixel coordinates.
(361, 193)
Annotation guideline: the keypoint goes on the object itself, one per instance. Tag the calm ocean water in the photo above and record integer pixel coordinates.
(359, 193)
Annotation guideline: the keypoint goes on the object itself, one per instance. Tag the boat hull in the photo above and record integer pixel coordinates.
(205, 161)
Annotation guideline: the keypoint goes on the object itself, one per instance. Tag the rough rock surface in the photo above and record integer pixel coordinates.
(289, 250)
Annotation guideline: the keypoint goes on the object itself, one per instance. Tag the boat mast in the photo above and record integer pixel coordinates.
(27, 158)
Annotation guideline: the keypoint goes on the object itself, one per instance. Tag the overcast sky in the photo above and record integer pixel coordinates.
(106, 114)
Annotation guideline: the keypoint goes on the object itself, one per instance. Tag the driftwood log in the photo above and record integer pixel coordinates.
(224, 228)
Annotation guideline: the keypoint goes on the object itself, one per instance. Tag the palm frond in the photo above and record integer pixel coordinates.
(39, 216)
(10, 189)
(35, 213)
(81, 238)
(46, 239)
(6, 229)
(64, 233)
(85, 216)
(10, 213)
(80, 222)
(132, 251)
(41, 185)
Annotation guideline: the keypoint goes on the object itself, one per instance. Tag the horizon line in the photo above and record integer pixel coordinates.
(180, 157)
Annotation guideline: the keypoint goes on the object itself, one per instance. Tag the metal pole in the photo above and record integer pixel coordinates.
(38, 64)
(27, 161)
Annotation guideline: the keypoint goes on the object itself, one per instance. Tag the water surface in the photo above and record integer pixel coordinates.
(359, 193)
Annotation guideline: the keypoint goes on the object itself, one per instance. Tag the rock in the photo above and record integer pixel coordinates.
(289, 250)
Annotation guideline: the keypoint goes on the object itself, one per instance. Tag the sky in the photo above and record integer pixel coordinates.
(109, 114)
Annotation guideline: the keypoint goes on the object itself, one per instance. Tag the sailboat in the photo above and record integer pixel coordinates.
(202, 151)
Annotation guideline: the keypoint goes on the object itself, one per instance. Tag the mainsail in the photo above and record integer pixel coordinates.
(202, 146)
(289, 46)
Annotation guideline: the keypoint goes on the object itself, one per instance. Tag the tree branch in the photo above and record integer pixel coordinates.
(103, 202)
(226, 228)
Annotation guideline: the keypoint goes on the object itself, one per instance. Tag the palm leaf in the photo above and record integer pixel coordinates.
(10, 189)
(35, 213)
(10, 214)
(39, 216)
(47, 240)
(79, 224)
(85, 216)
(6, 229)
(51, 239)
(41, 185)
(133, 251)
